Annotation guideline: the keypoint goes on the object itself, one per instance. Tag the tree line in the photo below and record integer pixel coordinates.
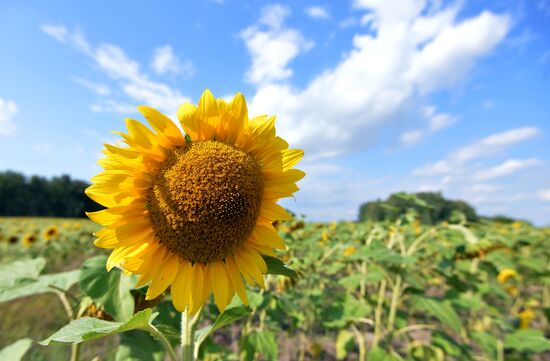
(39, 196)
(431, 208)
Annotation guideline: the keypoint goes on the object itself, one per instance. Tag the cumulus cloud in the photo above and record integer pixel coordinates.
(407, 53)
(544, 195)
(272, 46)
(317, 12)
(98, 88)
(488, 146)
(165, 61)
(8, 109)
(126, 72)
(507, 168)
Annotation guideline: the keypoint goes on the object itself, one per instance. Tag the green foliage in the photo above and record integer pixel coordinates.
(229, 316)
(21, 278)
(276, 267)
(89, 328)
(527, 341)
(365, 291)
(431, 208)
(16, 350)
(38, 196)
(108, 289)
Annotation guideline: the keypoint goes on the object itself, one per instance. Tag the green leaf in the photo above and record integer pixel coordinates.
(450, 346)
(487, 342)
(442, 310)
(39, 285)
(16, 350)
(229, 316)
(378, 354)
(343, 343)
(108, 289)
(89, 328)
(277, 267)
(139, 346)
(13, 272)
(263, 342)
(527, 340)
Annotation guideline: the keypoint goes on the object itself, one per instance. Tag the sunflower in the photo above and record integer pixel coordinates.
(28, 240)
(195, 212)
(50, 233)
(506, 274)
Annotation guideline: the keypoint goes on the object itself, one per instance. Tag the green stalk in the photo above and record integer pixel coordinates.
(360, 340)
(187, 338)
(378, 314)
(163, 340)
(75, 351)
(394, 299)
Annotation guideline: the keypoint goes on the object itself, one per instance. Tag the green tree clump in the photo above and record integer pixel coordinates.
(431, 208)
(39, 196)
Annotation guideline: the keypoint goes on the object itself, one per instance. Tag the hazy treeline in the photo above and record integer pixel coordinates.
(40, 196)
(431, 207)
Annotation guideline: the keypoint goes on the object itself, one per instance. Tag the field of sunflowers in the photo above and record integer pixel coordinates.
(351, 291)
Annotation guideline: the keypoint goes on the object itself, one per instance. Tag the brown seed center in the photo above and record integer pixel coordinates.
(205, 200)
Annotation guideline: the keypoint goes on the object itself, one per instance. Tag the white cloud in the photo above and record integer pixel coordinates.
(166, 62)
(544, 195)
(111, 106)
(487, 146)
(379, 82)
(272, 46)
(411, 137)
(99, 89)
(317, 12)
(457, 46)
(114, 62)
(507, 168)
(436, 122)
(8, 109)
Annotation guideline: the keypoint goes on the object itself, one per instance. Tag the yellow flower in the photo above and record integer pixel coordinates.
(50, 233)
(525, 318)
(512, 291)
(29, 239)
(195, 212)
(13, 239)
(516, 225)
(349, 251)
(324, 236)
(505, 274)
(333, 225)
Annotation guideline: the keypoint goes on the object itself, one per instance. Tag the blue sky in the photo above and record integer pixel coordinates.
(384, 96)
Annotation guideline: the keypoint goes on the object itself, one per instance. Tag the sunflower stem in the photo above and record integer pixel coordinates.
(187, 338)
(188, 327)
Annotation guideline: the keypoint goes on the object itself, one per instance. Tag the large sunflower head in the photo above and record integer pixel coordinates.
(195, 211)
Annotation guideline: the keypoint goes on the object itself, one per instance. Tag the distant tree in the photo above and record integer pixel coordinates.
(431, 208)
(39, 196)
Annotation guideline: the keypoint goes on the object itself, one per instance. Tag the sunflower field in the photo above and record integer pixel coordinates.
(349, 291)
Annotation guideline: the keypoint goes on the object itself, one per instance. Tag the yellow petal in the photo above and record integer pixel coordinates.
(273, 211)
(167, 131)
(187, 115)
(269, 235)
(236, 280)
(249, 265)
(181, 288)
(220, 285)
(197, 289)
(208, 107)
(164, 276)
